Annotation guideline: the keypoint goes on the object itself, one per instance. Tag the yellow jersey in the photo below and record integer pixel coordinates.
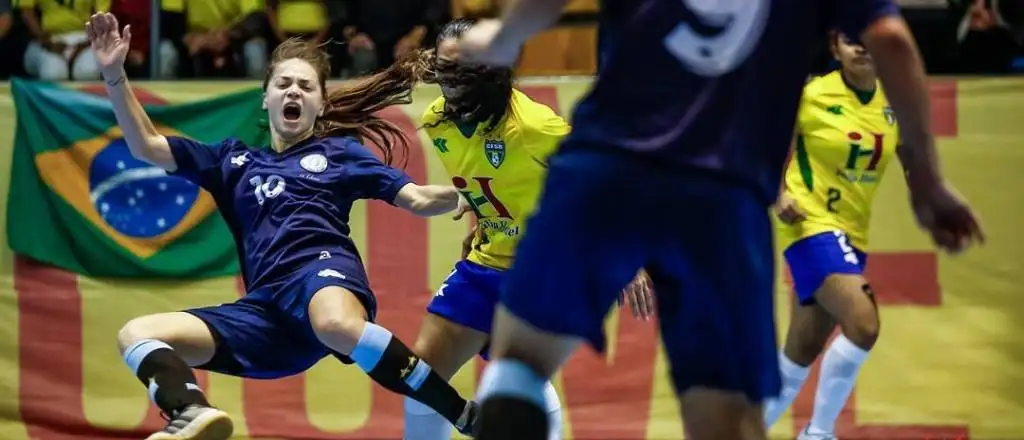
(499, 171)
(64, 16)
(208, 15)
(301, 16)
(845, 140)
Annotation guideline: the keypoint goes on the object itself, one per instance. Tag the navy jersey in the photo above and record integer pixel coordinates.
(709, 84)
(288, 209)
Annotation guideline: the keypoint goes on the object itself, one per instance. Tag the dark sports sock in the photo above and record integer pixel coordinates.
(512, 402)
(511, 418)
(172, 385)
(393, 365)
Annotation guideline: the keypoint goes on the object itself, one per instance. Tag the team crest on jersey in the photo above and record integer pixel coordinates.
(314, 163)
(890, 116)
(495, 151)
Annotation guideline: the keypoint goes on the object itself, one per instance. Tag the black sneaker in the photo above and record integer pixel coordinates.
(196, 423)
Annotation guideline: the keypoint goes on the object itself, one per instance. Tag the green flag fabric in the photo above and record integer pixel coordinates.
(79, 201)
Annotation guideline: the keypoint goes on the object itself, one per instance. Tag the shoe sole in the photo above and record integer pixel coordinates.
(211, 425)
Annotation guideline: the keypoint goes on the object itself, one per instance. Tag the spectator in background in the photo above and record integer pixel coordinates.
(6, 24)
(315, 20)
(222, 38)
(984, 45)
(59, 40)
(378, 31)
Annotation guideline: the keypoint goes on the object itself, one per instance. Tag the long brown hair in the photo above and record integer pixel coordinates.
(351, 109)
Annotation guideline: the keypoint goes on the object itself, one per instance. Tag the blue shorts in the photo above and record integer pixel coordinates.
(814, 258)
(468, 297)
(267, 334)
(706, 243)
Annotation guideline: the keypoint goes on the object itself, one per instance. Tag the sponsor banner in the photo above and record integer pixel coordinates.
(946, 365)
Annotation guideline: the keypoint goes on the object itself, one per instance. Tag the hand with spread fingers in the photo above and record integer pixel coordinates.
(109, 42)
(640, 296)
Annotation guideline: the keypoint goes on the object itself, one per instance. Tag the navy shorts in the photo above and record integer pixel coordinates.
(267, 334)
(706, 243)
(812, 259)
(468, 297)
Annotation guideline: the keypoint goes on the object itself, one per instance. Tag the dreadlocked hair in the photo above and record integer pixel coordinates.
(352, 109)
(489, 89)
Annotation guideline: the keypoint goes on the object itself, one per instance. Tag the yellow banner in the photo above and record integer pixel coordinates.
(948, 363)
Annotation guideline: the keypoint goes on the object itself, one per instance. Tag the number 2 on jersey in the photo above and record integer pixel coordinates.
(834, 196)
(722, 35)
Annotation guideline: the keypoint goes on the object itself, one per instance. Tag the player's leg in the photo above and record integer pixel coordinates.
(850, 301)
(456, 328)
(809, 329)
(340, 320)
(160, 350)
(830, 288)
(713, 275)
(568, 272)
(445, 346)
(518, 400)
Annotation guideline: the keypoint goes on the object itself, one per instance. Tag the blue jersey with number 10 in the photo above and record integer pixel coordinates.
(712, 85)
(290, 209)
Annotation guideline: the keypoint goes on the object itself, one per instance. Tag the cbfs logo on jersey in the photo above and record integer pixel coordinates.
(495, 152)
(137, 205)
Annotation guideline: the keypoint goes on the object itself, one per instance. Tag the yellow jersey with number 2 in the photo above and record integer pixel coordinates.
(499, 171)
(845, 140)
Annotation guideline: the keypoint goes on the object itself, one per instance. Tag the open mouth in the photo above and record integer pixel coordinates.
(292, 111)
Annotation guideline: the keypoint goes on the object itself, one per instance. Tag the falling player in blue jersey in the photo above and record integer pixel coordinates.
(288, 209)
(675, 157)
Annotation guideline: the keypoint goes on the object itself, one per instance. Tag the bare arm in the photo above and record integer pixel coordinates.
(902, 73)
(522, 19)
(144, 142)
(428, 200)
(110, 44)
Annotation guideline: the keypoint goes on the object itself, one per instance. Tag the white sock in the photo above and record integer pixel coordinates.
(838, 374)
(793, 377)
(423, 423)
(511, 378)
(554, 408)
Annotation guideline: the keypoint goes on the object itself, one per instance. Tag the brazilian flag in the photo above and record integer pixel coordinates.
(79, 201)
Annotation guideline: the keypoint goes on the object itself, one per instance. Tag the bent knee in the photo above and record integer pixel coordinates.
(134, 331)
(863, 332)
(344, 329)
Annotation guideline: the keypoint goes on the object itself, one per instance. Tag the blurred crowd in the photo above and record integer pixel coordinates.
(233, 38)
(213, 38)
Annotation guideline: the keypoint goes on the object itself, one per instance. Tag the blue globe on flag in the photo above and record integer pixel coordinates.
(135, 198)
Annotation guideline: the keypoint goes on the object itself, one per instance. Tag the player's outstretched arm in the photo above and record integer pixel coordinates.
(428, 200)
(110, 45)
(497, 42)
(939, 208)
(901, 71)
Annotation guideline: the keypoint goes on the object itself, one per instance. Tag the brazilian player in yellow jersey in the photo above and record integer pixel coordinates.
(845, 138)
(494, 141)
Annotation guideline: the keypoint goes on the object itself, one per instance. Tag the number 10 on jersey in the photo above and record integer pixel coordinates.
(273, 187)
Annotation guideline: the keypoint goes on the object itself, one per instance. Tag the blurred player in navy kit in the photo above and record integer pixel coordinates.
(288, 209)
(688, 123)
